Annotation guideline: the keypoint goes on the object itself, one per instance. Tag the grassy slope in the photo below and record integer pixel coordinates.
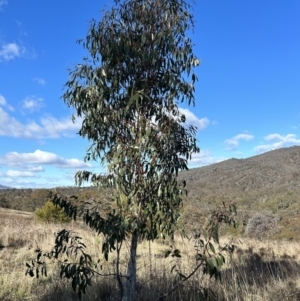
(260, 270)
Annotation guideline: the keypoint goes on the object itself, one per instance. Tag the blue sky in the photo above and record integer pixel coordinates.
(247, 96)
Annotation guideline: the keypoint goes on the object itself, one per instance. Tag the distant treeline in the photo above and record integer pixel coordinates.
(32, 199)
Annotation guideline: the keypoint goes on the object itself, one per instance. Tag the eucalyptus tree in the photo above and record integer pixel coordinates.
(138, 71)
(127, 91)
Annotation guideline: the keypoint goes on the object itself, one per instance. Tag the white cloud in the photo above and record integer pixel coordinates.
(192, 119)
(33, 103)
(4, 103)
(32, 168)
(47, 127)
(204, 158)
(10, 51)
(64, 126)
(277, 141)
(41, 157)
(17, 174)
(40, 81)
(232, 143)
(36, 182)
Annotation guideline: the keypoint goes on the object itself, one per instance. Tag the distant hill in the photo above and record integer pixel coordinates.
(4, 187)
(269, 182)
(271, 172)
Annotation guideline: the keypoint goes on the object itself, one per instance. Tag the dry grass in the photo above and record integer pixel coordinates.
(259, 270)
(14, 214)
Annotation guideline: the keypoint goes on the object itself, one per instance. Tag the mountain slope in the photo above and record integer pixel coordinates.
(266, 183)
(4, 187)
(274, 171)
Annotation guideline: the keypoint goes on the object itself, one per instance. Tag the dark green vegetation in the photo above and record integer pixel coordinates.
(50, 213)
(33, 199)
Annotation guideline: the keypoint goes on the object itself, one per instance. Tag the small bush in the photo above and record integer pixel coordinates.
(50, 213)
(262, 225)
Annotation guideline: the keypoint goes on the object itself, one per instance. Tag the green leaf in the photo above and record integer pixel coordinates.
(176, 253)
(173, 267)
(211, 246)
(168, 253)
(182, 276)
(74, 283)
(219, 261)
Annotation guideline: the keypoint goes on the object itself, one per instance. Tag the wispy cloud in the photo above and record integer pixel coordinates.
(277, 141)
(32, 103)
(233, 143)
(41, 157)
(36, 182)
(22, 32)
(192, 119)
(32, 168)
(4, 103)
(2, 3)
(56, 128)
(46, 128)
(40, 81)
(17, 174)
(10, 51)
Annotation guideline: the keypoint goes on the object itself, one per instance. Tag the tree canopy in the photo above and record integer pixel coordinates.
(128, 92)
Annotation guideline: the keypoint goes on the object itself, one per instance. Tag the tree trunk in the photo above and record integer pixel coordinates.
(130, 283)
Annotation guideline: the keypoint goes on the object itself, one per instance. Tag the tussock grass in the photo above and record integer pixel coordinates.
(259, 270)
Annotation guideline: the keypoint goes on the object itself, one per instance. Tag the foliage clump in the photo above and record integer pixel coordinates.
(262, 225)
(51, 214)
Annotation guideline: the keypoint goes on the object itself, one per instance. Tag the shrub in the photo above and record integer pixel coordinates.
(50, 213)
(262, 225)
